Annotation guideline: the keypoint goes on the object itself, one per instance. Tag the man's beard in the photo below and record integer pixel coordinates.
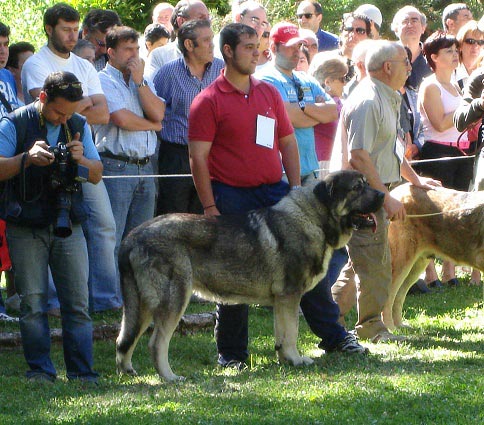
(57, 45)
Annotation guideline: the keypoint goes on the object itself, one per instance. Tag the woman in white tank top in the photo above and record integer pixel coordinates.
(438, 98)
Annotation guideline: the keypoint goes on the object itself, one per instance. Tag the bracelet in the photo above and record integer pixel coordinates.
(210, 206)
(296, 187)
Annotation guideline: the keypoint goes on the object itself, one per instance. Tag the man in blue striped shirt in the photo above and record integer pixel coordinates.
(178, 82)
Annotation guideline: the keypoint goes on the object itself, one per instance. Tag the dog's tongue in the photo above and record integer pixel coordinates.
(375, 222)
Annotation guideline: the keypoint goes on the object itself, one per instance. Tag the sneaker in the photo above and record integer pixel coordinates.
(41, 377)
(6, 318)
(349, 345)
(386, 336)
(419, 287)
(231, 364)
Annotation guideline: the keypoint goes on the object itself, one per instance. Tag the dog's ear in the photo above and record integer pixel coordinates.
(323, 191)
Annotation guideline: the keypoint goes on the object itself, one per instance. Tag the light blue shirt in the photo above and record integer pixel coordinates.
(8, 139)
(287, 89)
(8, 87)
(119, 95)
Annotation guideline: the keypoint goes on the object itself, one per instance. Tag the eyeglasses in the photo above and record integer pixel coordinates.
(472, 41)
(405, 61)
(65, 86)
(300, 91)
(266, 34)
(100, 43)
(312, 46)
(358, 30)
(306, 15)
(258, 23)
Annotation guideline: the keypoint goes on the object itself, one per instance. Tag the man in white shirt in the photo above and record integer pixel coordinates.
(61, 24)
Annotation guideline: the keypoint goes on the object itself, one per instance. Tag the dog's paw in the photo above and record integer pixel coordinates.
(127, 371)
(404, 325)
(305, 361)
(173, 378)
(300, 361)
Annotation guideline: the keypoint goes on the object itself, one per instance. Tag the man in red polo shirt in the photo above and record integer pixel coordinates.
(238, 133)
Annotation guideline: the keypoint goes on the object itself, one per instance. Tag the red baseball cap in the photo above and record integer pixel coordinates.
(286, 34)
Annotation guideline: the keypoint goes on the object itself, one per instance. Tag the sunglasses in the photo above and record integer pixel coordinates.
(358, 30)
(65, 86)
(472, 41)
(100, 43)
(265, 34)
(300, 91)
(306, 15)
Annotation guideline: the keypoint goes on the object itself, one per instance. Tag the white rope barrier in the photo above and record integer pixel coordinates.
(174, 176)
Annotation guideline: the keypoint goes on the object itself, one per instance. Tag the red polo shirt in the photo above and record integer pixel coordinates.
(227, 117)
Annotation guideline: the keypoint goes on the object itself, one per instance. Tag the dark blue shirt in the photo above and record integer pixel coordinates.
(420, 70)
(326, 41)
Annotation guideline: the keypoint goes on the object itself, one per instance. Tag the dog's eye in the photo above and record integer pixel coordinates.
(358, 186)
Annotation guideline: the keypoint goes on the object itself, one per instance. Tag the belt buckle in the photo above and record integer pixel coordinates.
(140, 162)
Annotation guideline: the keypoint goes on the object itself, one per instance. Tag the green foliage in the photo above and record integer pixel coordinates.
(25, 17)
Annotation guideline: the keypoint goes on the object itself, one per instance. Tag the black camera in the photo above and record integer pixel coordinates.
(66, 178)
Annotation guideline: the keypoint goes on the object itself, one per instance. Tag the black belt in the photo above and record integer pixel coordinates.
(127, 159)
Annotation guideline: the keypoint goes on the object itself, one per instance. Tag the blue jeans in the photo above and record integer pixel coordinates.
(318, 306)
(32, 251)
(100, 233)
(132, 199)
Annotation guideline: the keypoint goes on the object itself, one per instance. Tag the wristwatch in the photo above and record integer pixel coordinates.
(302, 105)
(142, 84)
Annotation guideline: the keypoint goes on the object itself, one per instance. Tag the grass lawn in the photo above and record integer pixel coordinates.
(435, 377)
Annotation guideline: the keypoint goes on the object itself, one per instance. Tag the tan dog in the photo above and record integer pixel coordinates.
(442, 222)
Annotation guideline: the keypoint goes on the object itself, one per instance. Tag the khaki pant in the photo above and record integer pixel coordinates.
(366, 277)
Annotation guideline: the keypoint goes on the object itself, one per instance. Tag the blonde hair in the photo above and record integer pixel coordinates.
(472, 27)
(327, 66)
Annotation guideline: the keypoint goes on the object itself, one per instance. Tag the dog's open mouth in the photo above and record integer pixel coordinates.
(361, 221)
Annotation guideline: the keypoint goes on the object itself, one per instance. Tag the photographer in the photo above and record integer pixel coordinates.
(46, 151)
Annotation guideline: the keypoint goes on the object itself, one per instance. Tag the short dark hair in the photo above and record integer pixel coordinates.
(452, 12)
(317, 7)
(180, 10)
(189, 31)
(14, 51)
(60, 11)
(231, 33)
(120, 33)
(4, 30)
(435, 42)
(54, 86)
(100, 20)
(153, 32)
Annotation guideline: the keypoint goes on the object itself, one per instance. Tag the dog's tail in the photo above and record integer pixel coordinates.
(131, 322)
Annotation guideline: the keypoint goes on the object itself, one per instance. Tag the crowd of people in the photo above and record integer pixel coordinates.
(242, 117)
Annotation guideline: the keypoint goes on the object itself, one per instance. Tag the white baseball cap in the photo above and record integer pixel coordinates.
(371, 12)
(480, 25)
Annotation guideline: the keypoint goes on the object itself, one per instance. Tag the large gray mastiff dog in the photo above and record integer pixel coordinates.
(270, 256)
